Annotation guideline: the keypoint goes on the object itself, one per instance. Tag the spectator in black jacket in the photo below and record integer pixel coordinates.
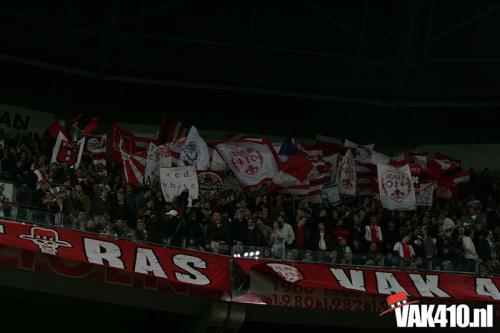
(322, 240)
(100, 205)
(216, 232)
(251, 235)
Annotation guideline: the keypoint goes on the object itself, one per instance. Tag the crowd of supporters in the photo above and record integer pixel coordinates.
(452, 235)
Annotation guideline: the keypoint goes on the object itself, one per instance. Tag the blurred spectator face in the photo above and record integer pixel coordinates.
(141, 225)
(373, 220)
(216, 217)
(119, 223)
(78, 189)
(300, 212)
(348, 257)
(265, 212)
(308, 256)
(406, 239)
(290, 256)
(102, 220)
(82, 216)
(322, 213)
(251, 224)
(147, 193)
(302, 222)
(104, 194)
(129, 189)
(355, 219)
(150, 204)
(321, 227)
(355, 244)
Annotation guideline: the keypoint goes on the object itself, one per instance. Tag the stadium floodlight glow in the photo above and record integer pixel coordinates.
(257, 253)
(256, 257)
(245, 254)
(251, 254)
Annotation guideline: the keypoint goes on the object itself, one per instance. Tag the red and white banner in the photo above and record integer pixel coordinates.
(252, 161)
(152, 171)
(96, 144)
(67, 152)
(396, 187)
(134, 166)
(292, 175)
(194, 151)
(379, 281)
(120, 141)
(100, 164)
(177, 265)
(346, 174)
(175, 180)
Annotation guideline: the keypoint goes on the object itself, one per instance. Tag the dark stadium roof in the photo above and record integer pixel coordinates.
(370, 69)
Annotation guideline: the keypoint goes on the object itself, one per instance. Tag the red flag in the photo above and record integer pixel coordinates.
(55, 128)
(120, 141)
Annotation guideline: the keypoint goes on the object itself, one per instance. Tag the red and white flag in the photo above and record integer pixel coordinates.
(396, 187)
(134, 166)
(252, 161)
(100, 164)
(152, 171)
(142, 140)
(96, 144)
(292, 175)
(120, 141)
(65, 151)
(194, 151)
(362, 153)
(346, 174)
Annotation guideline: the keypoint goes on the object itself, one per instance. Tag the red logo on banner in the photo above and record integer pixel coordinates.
(247, 160)
(46, 239)
(396, 185)
(288, 273)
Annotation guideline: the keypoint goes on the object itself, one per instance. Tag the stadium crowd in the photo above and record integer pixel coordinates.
(452, 235)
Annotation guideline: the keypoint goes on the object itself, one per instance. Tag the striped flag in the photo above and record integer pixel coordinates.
(134, 166)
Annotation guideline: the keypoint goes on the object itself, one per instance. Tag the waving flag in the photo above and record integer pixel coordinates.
(120, 141)
(292, 175)
(194, 151)
(396, 188)
(65, 151)
(346, 174)
(152, 171)
(134, 166)
(252, 161)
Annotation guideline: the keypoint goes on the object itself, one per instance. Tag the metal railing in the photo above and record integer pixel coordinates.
(35, 215)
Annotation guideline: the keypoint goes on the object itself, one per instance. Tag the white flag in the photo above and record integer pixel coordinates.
(195, 151)
(425, 194)
(175, 180)
(346, 174)
(396, 187)
(362, 153)
(151, 172)
(251, 161)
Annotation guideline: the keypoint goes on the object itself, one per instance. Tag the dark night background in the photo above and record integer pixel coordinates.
(393, 72)
(411, 72)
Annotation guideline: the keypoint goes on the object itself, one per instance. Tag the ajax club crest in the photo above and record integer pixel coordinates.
(247, 161)
(190, 154)
(396, 185)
